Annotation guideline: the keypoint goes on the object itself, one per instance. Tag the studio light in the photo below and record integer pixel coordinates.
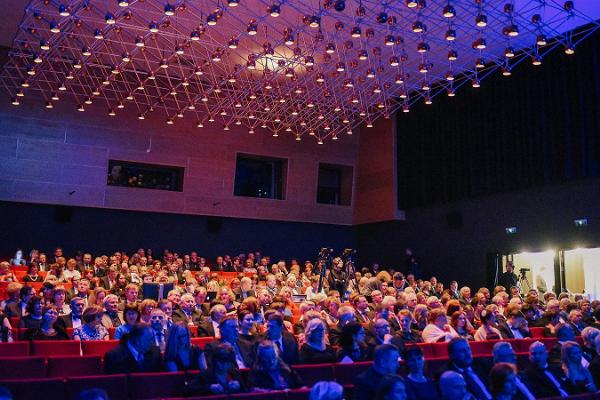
(581, 222)
(274, 10)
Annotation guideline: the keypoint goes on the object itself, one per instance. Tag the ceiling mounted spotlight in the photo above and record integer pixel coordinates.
(64, 11)
(450, 35)
(153, 26)
(536, 60)
(274, 10)
(355, 32)
(509, 52)
(411, 3)
(233, 3)
(109, 19)
(314, 21)
(418, 27)
(449, 11)
(252, 27)
(511, 30)
(480, 44)
(169, 10)
(211, 19)
(123, 3)
(541, 40)
(382, 17)
(481, 20)
(452, 55)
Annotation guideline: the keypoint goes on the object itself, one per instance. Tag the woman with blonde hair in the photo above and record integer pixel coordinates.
(97, 296)
(146, 307)
(315, 349)
(579, 379)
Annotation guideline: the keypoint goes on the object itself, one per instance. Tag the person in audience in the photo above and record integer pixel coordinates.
(418, 387)
(70, 274)
(269, 372)
(461, 325)
(594, 366)
(380, 334)
(345, 316)
(32, 274)
(19, 308)
(136, 353)
(391, 387)
(407, 334)
(92, 394)
(438, 329)
(515, 327)
(159, 329)
(18, 258)
(131, 316)
(576, 321)
(146, 307)
(550, 320)
(49, 329)
(210, 327)
(187, 312)
(59, 295)
(284, 341)
(353, 347)
(315, 349)
(97, 296)
(92, 328)
(227, 298)
(326, 390)
(487, 330)
(502, 352)
(6, 275)
(111, 317)
(579, 379)
(502, 381)
(179, 354)
(541, 379)
(420, 317)
(73, 320)
(33, 319)
(564, 334)
(229, 331)
(224, 376)
(588, 335)
(247, 324)
(385, 363)
(474, 374)
(453, 387)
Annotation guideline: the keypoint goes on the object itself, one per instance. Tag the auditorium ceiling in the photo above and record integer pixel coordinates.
(305, 68)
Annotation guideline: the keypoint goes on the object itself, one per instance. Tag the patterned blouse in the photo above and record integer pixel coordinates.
(85, 332)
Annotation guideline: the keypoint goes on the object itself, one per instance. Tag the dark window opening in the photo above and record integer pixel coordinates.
(257, 176)
(334, 185)
(145, 176)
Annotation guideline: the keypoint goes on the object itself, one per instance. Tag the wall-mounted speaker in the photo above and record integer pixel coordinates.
(62, 214)
(214, 224)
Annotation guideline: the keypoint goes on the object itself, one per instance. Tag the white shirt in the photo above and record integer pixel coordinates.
(432, 334)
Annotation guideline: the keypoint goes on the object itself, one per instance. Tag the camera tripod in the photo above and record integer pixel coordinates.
(523, 280)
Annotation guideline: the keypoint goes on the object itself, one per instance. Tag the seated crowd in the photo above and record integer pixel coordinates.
(270, 316)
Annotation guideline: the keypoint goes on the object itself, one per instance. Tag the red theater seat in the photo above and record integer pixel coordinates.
(114, 385)
(55, 348)
(345, 373)
(98, 347)
(48, 389)
(68, 366)
(14, 321)
(427, 349)
(22, 367)
(482, 348)
(314, 373)
(537, 332)
(215, 397)
(276, 395)
(202, 341)
(14, 349)
(149, 385)
(440, 349)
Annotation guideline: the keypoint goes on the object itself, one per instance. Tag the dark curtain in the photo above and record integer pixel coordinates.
(539, 126)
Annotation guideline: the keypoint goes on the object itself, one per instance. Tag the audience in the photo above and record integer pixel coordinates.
(255, 322)
(326, 391)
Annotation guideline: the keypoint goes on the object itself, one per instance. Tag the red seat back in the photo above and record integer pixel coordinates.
(536, 332)
(314, 373)
(55, 348)
(114, 385)
(427, 349)
(68, 366)
(22, 367)
(98, 347)
(301, 394)
(150, 386)
(440, 349)
(276, 395)
(48, 388)
(202, 341)
(482, 348)
(14, 349)
(345, 373)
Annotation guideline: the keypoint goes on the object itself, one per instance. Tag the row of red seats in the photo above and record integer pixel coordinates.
(172, 384)
(69, 347)
(73, 347)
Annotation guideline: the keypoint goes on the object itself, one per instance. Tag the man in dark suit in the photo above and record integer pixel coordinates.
(541, 379)
(364, 315)
(229, 328)
(245, 290)
(508, 279)
(385, 363)
(110, 280)
(564, 333)
(503, 353)
(345, 315)
(137, 354)
(514, 326)
(73, 320)
(285, 341)
(18, 309)
(210, 326)
(594, 366)
(461, 361)
(187, 312)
